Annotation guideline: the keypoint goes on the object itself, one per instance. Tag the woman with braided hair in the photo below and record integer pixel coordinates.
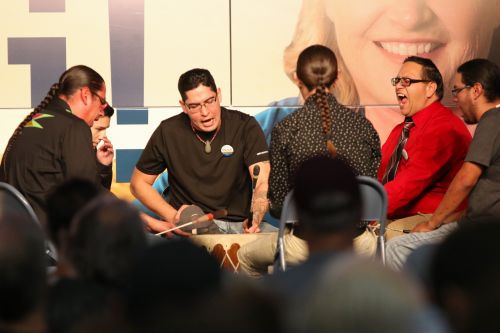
(321, 127)
(54, 142)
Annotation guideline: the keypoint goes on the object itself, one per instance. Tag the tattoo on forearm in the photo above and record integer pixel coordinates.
(260, 205)
(260, 195)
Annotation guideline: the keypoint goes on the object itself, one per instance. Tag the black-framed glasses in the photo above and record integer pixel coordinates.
(405, 81)
(101, 99)
(196, 107)
(456, 91)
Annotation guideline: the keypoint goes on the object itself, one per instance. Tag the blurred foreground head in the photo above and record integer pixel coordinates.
(106, 239)
(327, 195)
(355, 295)
(22, 267)
(465, 275)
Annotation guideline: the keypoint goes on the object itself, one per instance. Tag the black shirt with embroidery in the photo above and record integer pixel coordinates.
(53, 147)
(300, 136)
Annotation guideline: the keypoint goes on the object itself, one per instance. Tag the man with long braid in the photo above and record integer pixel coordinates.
(54, 142)
(321, 127)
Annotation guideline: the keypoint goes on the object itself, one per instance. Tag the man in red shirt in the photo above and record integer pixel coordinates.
(421, 155)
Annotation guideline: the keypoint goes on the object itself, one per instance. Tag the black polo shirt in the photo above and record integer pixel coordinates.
(211, 181)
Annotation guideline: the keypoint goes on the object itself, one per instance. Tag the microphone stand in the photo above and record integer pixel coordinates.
(256, 171)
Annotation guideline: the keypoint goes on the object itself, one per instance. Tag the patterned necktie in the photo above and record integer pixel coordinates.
(392, 167)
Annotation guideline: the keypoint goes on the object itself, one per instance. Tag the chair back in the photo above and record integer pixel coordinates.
(288, 216)
(13, 202)
(374, 208)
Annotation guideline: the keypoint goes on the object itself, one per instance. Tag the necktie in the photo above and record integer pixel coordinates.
(392, 167)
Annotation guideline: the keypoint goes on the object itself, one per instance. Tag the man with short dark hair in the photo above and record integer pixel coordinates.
(477, 93)
(103, 146)
(210, 153)
(422, 154)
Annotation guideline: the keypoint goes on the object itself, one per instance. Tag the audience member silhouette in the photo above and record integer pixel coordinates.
(354, 295)
(169, 285)
(465, 272)
(22, 274)
(64, 202)
(328, 203)
(106, 239)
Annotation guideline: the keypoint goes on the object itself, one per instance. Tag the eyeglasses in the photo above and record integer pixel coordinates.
(101, 99)
(406, 81)
(196, 107)
(456, 91)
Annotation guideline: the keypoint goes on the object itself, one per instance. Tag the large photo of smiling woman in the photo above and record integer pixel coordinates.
(371, 38)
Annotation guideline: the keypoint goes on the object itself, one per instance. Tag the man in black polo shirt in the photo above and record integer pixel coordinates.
(210, 153)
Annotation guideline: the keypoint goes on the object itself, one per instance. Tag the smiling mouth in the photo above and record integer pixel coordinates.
(408, 49)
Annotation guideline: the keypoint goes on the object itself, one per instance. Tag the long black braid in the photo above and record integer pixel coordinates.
(70, 81)
(43, 104)
(317, 69)
(326, 119)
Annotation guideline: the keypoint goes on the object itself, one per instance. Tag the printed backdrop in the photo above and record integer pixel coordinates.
(141, 47)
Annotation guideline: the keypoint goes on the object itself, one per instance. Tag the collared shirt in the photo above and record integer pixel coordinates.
(434, 152)
(53, 147)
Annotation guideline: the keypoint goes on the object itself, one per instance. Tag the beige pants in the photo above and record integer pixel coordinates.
(395, 227)
(257, 256)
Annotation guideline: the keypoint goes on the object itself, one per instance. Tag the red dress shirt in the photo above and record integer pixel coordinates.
(435, 151)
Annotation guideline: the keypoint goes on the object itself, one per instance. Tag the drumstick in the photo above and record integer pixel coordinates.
(175, 228)
(207, 217)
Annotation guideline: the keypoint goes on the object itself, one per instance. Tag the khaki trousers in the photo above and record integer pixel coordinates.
(395, 227)
(257, 256)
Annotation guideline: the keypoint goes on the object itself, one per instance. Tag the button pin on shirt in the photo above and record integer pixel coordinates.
(227, 150)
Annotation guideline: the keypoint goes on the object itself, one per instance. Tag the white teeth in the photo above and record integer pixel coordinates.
(407, 49)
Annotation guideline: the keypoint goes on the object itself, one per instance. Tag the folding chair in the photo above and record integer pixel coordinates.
(374, 208)
(288, 216)
(13, 202)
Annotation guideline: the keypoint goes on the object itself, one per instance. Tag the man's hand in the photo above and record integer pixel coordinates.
(156, 226)
(260, 205)
(252, 228)
(424, 227)
(175, 221)
(105, 152)
(177, 216)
